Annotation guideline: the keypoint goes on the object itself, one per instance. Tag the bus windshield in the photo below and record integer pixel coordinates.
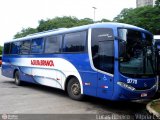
(136, 56)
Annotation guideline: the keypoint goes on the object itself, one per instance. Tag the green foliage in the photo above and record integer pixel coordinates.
(84, 21)
(1, 49)
(25, 32)
(147, 17)
(62, 22)
(123, 15)
(57, 22)
(105, 20)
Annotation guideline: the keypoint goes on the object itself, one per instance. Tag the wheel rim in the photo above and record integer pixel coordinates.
(75, 89)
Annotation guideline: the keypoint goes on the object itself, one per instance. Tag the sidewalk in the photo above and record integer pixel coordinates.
(154, 107)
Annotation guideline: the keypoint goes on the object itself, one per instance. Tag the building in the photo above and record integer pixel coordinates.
(141, 3)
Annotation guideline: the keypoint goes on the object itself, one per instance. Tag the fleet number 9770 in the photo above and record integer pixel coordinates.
(132, 81)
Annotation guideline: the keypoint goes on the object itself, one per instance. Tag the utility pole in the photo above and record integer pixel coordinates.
(94, 13)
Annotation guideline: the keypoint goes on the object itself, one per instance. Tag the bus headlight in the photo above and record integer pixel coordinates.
(124, 85)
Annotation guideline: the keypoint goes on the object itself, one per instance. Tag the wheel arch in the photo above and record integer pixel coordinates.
(70, 77)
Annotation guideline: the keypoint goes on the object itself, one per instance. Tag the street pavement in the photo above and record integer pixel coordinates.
(36, 99)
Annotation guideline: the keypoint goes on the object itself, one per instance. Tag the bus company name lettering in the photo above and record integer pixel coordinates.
(42, 62)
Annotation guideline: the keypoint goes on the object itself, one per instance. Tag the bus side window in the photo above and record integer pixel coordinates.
(75, 42)
(103, 49)
(25, 47)
(15, 47)
(37, 45)
(6, 48)
(53, 44)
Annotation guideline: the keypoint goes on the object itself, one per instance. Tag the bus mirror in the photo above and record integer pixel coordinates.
(119, 39)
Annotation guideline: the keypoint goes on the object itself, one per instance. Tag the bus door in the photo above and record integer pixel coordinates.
(157, 50)
(158, 60)
(103, 59)
(157, 47)
(105, 68)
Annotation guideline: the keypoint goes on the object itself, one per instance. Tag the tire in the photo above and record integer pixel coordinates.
(74, 89)
(17, 79)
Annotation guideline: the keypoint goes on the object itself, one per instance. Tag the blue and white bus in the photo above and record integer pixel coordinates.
(157, 48)
(113, 61)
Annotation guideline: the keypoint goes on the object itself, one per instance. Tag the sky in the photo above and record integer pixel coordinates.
(18, 14)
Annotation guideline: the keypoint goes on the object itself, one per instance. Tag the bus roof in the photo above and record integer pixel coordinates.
(78, 28)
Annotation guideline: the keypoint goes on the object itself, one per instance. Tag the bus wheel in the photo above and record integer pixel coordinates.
(17, 79)
(74, 89)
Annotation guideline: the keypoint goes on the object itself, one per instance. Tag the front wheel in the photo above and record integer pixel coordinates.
(74, 89)
(17, 79)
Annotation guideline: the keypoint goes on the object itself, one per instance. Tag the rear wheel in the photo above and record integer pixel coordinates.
(74, 89)
(17, 79)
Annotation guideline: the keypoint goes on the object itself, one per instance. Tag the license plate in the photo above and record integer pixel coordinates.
(144, 95)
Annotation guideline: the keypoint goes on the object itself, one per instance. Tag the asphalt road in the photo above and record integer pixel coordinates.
(35, 99)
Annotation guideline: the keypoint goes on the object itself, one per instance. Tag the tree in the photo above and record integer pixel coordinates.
(123, 15)
(105, 20)
(24, 32)
(147, 17)
(55, 23)
(84, 21)
(1, 49)
(58, 22)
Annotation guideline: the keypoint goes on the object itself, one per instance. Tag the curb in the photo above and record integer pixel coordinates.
(152, 111)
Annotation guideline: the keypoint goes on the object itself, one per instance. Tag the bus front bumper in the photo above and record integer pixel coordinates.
(129, 93)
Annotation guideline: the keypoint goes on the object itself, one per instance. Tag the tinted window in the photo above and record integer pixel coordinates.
(137, 58)
(103, 49)
(6, 48)
(15, 47)
(53, 44)
(25, 47)
(75, 42)
(37, 45)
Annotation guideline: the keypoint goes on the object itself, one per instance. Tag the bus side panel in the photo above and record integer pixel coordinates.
(6, 71)
(89, 79)
(26, 77)
(88, 76)
(31, 73)
(7, 67)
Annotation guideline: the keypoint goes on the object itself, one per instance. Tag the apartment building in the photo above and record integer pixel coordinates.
(141, 3)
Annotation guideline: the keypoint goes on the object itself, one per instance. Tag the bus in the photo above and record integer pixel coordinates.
(112, 61)
(157, 48)
(156, 37)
